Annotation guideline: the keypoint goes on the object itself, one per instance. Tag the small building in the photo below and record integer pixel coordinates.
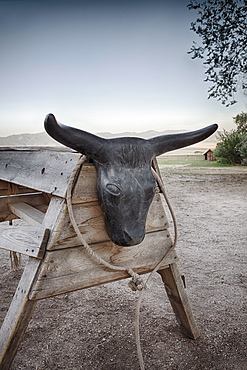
(209, 155)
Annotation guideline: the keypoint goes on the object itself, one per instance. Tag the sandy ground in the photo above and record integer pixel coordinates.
(93, 328)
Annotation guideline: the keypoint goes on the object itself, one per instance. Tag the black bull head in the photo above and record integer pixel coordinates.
(125, 185)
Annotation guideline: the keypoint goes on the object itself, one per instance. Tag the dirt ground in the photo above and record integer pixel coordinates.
(94, 328)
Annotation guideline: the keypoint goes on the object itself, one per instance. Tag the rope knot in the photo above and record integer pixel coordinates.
(136, 283)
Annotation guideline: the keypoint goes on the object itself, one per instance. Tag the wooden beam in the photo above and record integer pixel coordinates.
(18, 316)
(36, 200)
(43, 170)
(179, 300)
(85, 187)
(28, 240)
(27, 213)
(71, 269)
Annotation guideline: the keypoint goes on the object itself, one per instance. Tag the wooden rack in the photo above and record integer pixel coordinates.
(33, 185)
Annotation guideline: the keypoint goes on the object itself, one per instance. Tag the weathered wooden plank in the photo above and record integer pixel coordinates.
(89, 218)
(71, 269)
(179, 300)
(46, 171)
(54, 218)
(27, 240)
(37, 200)
(85, 188)
(156, 218)
(18, 316)
(27, 213)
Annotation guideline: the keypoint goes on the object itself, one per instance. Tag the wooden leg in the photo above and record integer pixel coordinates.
(18, 315)
(179, 300)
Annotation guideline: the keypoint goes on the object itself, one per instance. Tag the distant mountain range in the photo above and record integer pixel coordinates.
(43, 139)
(27, 140)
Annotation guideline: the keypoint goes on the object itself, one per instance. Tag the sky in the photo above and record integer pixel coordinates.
(102, 66)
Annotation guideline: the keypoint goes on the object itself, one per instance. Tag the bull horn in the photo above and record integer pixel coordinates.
(166, 143)
(79, 140)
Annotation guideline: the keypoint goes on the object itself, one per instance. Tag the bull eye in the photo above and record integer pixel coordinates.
(113, 189)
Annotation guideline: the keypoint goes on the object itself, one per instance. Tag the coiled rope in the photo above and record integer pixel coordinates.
(136, 283)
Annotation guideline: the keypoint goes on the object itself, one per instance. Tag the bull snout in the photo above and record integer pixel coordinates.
(128, 238)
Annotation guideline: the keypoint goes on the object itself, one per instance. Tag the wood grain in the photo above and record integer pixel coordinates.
(27, 240)
(18, 316)
(72, 269)
(86, 186)
(179, 300)
(46, 171)
(27, 213)
(36, 200)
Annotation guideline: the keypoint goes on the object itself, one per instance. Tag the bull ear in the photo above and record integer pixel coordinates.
(82, 141)
(166, 143)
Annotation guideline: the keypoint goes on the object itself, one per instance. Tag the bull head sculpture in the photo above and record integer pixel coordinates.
(125, 184)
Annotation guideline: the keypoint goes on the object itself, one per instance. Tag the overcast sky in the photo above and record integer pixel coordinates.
(103, 66)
